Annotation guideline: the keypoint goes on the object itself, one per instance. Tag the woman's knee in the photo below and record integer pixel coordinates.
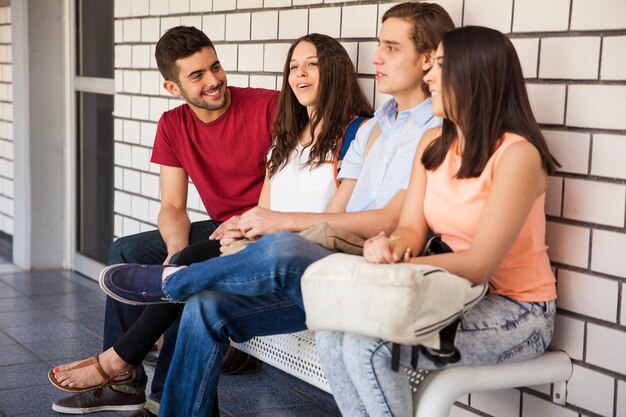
(361, 353)
(329, 346)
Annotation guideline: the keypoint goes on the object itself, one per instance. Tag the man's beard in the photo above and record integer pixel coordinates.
(198, 102)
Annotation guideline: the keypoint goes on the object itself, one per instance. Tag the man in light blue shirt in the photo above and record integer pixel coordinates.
(384, 172)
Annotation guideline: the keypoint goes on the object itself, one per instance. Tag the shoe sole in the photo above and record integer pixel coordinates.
(88, 410)
(117, 297)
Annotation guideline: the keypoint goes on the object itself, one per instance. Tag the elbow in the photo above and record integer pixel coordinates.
(479, 278)
(480, 271)
(389, 222)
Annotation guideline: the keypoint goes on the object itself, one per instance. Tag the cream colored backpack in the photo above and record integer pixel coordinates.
(404, 303)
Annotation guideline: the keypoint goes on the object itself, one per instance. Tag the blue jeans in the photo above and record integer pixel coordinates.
(145, 248)
(275, 263)
(252, 293)
(496, 330)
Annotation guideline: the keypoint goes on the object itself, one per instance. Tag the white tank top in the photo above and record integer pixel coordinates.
(299, 187)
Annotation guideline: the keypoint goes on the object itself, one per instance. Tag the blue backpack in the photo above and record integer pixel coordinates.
(348, 137)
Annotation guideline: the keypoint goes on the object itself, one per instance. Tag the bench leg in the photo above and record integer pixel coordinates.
(436, 395)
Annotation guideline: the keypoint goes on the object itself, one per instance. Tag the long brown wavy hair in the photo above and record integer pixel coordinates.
(484, 93)
(340, 100)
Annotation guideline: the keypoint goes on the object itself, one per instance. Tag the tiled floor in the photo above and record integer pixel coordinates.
(52, 317)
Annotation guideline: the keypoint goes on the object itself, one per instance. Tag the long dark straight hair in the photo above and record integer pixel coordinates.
(485, 95)
(340, 100)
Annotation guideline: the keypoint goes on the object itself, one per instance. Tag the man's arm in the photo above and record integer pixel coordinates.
(173, 220)
(257, 222)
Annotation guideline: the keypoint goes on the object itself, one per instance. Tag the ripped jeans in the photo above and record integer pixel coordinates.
(498, 329)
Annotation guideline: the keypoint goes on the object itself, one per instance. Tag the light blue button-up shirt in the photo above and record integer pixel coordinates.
(387, 168)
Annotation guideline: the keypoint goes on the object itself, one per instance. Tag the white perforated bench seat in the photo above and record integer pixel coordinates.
(435, 392)
(292, 353)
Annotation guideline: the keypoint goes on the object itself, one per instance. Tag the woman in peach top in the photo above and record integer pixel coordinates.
(479, 182)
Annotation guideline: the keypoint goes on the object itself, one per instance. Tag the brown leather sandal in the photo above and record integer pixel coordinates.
(123, 377)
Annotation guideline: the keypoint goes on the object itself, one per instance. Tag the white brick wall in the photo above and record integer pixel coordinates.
(607, 255)
(493, 13)
(594, 202)
(326, 20)
(527, 51)
(573, 55)
(553, 196)
(593, 14)
(621, 399)
(591, 391)
(293, 23)
(588, 295)
(571, 149)
(569, 336)
(6, 124)
(502, 403)
(597, 106)
(605, 348)
(548, 102)
(613, 58)
(539, 15)
(622, 319)
(568, 244)
(534, 407)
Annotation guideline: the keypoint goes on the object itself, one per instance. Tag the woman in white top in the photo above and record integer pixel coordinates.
(319, 98)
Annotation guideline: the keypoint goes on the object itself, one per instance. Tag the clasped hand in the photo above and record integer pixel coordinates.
(383, 249)
(258, 221)
(252, 224)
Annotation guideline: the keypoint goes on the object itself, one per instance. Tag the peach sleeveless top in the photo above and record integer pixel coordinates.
(452, 208)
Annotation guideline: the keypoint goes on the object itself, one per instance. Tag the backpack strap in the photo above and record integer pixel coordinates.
(374, 134)
(447, 354)
(347, 139)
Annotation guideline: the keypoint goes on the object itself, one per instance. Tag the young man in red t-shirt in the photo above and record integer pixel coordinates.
(218, 139)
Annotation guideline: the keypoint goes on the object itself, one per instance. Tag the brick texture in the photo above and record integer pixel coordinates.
(6, 124)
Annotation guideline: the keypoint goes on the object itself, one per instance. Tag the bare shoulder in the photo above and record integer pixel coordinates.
(523, 153)
(521, 162)
(427, 138)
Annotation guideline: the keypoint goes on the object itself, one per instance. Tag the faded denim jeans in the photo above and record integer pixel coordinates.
(496, 330)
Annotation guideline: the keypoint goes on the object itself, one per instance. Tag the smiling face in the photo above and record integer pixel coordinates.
(304, 75)
(433, 79)
(202, 83)
(442, 98)
(399, 67)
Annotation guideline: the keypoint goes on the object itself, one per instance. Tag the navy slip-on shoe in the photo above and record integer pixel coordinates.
(134, 284)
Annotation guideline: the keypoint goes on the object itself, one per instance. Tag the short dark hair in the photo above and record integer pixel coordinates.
(179, 42)
(429, 20)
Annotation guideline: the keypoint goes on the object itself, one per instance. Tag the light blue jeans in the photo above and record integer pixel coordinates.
(496, 330)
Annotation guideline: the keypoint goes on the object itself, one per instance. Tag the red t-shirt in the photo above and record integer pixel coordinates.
(224, 158)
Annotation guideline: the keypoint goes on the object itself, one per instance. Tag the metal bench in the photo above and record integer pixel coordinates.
(436, 395)
(435, 392)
